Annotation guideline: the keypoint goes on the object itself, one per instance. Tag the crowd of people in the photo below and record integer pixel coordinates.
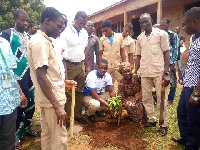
(40, 65)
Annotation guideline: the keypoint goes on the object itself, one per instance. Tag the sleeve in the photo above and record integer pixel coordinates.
(13, 62)
(90, 82)
(164, 41)
(6, 34)
(174, 49)
(132, 47)
(122, 42)
(138, 48)
(40, 54)
(101, 47)
(109, 80)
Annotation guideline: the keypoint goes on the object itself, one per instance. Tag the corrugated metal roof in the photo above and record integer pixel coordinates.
(118, 3)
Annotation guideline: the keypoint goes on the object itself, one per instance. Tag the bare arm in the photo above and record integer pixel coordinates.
(130, 58)
(166, 60)
(122, 53)
(100, 54)
(48, 92)
(137, 63)
(99, 98)
(87, 65)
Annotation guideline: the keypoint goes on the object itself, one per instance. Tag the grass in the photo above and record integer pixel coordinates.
(154, 142)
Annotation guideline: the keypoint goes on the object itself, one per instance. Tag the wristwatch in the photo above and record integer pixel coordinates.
(195, 98)
(166, 72)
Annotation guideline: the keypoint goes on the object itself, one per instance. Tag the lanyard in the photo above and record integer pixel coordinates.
(4, 60)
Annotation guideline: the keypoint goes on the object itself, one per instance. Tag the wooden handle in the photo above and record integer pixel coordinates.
(72, 112)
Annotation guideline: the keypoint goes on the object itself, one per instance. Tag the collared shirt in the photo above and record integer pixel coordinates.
(40, 52)
(9, 97)
(94, 82)
(93, 47)
(129, 46)
(18, 43)
(76, 43)
(192, 72)
(174, 44)
(112, 53)
(151, 51)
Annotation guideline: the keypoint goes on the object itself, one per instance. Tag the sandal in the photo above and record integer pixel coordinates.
(150, 124)
(18, 143)
(32, 133)
(163, 131)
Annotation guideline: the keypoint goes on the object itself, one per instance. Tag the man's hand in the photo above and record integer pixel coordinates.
(69, 84)
(87, 70)
(24, 101)
(193, 102)
(172, 68)
(166, 80)
(61, 116)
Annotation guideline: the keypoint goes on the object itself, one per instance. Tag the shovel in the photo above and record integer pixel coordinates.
(72, 112)
(161, 120)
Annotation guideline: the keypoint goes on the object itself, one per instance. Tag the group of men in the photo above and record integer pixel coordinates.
(71, 58)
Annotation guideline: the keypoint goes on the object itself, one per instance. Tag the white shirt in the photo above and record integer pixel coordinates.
(75, 43)
(59, 48)
(94, 82)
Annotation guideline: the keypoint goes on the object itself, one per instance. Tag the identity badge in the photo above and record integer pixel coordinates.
(6, 80)
(154, 48)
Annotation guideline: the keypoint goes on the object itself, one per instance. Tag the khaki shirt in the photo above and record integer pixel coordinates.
(129, 46)
(151, 51)
(40, 52)
(112, 53)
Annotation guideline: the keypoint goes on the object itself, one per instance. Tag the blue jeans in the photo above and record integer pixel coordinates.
(189, 120)
(173, 84)
(180, 68)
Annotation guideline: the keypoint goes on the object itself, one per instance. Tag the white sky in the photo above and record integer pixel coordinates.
(70, 7)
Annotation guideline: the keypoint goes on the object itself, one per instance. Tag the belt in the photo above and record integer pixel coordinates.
(74, 63)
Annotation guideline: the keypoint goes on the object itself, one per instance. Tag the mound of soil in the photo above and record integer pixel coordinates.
(127, 135)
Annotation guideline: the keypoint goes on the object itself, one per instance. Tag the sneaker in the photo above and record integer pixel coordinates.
(92, 118)
(81, 121)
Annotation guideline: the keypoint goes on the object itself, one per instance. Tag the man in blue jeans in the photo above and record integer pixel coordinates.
(174, 44)
(188, 110)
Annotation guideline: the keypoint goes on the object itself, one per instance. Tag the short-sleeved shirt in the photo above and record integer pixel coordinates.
(112, 53)
(9, 97)
(191, 76)
(76, 42)
(94, 82)
(129, 46)
(40, 52)
(151, 50)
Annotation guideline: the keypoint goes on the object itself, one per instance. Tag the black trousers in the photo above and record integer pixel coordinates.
(7, 131)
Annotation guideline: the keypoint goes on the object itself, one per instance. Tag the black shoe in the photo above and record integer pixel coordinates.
(92, 119)
(18, 143)
(32, 133)
(81, 121)
(100, 114)
(178, 140)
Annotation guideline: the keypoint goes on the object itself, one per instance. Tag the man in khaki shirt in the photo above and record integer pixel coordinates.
(49, 85)
(112, 49)
(129, 44)
(152, 52)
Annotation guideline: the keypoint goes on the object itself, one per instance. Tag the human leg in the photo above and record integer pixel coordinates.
(173, 83)
(7, 131)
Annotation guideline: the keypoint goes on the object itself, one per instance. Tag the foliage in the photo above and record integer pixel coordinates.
(114, 103)
(8, 7)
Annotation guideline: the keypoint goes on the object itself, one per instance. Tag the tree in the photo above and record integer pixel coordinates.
(7, 8)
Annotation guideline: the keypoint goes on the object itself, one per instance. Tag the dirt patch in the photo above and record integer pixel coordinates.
(127, 135)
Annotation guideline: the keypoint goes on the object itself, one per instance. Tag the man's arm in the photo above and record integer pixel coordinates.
(48, 92)
(87, 65)
(166, 67)
(137, 63)
(174, 52)
(122, 53)
(111, 91)
(96, 48)
(192, 102)
(100, 54)
(99, 98)
(130, 58)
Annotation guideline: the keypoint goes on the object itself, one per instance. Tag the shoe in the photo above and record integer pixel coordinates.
(32, 133)
(150, 124)
(92, 118)
(100, 114)
(18, 143)
(81, 121)
(169, 103)
(163, 131)
(178, 140)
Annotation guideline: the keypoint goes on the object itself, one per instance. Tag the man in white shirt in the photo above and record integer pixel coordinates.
(76, 58)
(94, 99)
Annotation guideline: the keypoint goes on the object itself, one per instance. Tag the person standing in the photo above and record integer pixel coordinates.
(32, 29)
(10, 94)
(181, 49)
(93, 45)
(76, 61)
(112, 50)
(18, 39)
(188, 110)
(174, 44)
(152, 52)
